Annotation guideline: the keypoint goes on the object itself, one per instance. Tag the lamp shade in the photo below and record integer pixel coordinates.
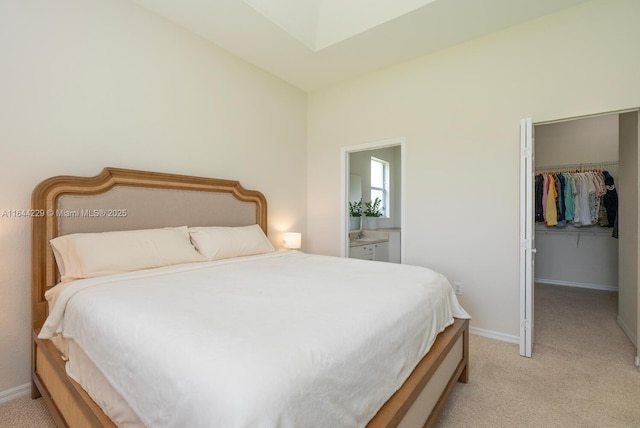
(292, 240)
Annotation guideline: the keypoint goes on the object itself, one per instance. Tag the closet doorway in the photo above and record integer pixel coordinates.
(567, 255)
(590, 257)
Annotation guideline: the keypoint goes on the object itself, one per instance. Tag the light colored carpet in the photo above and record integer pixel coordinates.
(581, 373)
(25, 413)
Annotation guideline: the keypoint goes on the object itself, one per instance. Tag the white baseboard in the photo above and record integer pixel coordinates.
(494, 335)
(577, 284)
(15, 392)
(628, 332)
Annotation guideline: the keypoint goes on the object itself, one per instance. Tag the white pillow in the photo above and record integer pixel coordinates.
(87, 255)
(218, 242)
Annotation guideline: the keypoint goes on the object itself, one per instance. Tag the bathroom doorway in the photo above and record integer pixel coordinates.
(356, 184)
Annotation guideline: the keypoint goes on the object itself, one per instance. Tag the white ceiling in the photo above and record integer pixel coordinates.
(322, 23)
(316, 43)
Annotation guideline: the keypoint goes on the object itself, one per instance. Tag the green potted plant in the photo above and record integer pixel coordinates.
(355, 214)
(372, 211)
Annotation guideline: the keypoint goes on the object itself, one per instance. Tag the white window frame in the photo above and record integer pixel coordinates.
(385, 183)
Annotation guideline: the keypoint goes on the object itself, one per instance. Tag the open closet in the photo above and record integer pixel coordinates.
(583, 163)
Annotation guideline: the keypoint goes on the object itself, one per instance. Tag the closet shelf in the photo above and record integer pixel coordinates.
(593, 230)
(577, 167)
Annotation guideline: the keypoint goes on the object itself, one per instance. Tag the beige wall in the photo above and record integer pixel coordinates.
(460, 111)
(586, 140)
(92, 83)
(628, 225)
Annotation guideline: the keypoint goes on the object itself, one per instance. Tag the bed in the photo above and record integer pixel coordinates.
(275, 368)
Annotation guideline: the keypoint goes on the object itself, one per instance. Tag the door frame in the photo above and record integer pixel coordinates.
(524, 341)
(344, 189)
(527, 236)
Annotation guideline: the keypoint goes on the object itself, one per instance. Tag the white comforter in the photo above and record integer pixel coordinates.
(285, 339)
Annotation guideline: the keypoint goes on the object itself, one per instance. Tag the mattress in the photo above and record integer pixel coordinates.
(282, 339)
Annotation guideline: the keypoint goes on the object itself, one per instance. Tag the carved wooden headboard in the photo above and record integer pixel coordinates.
(122, 199)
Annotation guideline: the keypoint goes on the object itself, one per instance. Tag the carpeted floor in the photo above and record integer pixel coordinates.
(581, 373)
(25, 413)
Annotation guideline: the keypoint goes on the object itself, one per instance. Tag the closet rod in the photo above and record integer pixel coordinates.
(592, 230)
(578, 166)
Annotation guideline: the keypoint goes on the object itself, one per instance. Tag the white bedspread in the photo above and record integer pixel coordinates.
(285, 339)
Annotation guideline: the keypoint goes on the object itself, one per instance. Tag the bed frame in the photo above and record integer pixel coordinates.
(66, 204)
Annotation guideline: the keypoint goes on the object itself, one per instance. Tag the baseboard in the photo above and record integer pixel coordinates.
(577, 284)
(494, 335)
(15, 392)
(628, 332)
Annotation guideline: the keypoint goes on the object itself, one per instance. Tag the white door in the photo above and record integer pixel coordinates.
(527, 236)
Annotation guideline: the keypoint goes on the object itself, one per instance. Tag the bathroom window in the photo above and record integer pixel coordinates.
(380, 183)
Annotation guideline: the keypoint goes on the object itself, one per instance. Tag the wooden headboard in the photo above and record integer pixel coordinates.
(122, 199)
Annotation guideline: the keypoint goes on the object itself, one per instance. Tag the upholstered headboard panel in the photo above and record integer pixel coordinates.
(120, 199)
(130, 208)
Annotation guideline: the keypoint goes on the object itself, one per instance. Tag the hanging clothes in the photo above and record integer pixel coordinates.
(579, 198)
(568, 198)
(610, 199)
(545, 191)
(560, 205)
(584, 200)
(539, 192)
(552, 210)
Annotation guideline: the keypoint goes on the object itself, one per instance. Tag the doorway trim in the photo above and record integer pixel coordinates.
(527, 236)
(523, 213)
(344, 189)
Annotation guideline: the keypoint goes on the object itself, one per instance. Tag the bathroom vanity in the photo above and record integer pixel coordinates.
(381, 245)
